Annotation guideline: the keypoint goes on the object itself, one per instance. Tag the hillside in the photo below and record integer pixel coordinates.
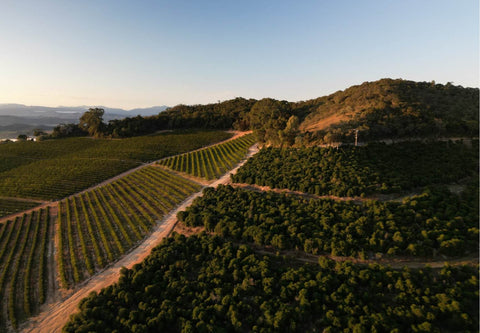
(97, 226)
(392, 109)
(383, 109)
(283, 255)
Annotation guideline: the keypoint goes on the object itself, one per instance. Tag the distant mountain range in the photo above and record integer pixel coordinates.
(18, 119)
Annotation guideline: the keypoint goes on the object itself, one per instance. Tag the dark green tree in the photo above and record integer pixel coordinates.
(291, 130)
(268, 118)
(92, 122)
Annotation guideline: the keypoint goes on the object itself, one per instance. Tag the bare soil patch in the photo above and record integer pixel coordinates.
(324, 123)
(182, 229)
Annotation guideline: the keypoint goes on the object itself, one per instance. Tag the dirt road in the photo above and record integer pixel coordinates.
(55, 315)
(395, 263)
(53, 203)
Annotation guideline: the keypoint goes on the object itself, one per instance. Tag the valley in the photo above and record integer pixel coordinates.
(189, 230)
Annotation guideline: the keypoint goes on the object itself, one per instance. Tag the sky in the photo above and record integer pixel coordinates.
(129, 54)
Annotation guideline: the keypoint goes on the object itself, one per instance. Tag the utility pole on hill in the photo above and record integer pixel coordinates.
(356, 137)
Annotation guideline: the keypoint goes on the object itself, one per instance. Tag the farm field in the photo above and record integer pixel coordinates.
(97, 227)
(435, 222)
(213, 161)
(361, 171)
(204, 283)
(94, 229)
(59, 311)
(11, 205)
(24, 244)
(51, 170)
(216, 280)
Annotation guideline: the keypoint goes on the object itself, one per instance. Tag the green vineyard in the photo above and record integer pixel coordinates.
(23, 266)
(54, 169)
(212, 162)
(11, 206)
(97, 227)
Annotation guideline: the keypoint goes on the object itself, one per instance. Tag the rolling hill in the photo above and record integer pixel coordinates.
(390, 108)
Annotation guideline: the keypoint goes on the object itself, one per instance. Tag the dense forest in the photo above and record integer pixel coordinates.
(434, 222)
(361, 171)
(204, 284)
(231, 114)
(383, 109)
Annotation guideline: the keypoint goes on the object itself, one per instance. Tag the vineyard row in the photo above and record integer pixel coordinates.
(23, 259)
(97, 227)
(212, 162)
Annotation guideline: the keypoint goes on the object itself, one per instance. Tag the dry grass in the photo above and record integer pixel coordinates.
(317, 125)
(182, 229)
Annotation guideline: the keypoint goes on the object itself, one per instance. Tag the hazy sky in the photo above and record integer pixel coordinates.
(141, 53)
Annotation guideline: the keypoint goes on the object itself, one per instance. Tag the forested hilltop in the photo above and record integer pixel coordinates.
(393, 109)
(383, 109)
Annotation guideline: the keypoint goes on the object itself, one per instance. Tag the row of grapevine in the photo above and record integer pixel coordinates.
(98, 226)
(212, 162)
(54, 169)
(23, 255)
(11, 206)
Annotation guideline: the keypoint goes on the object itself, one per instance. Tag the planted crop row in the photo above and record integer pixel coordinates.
(212, 162)
(361, 171)
(51, 179)
(434, 222)
(54, 169)
(23, 254)
(11, 206)
(97, 227)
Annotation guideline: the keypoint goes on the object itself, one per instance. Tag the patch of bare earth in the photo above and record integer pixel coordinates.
(53, 285)
(182, 229)
(324, 123)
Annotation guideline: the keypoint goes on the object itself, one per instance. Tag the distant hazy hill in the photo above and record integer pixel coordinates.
(18, 118)
(392, 108)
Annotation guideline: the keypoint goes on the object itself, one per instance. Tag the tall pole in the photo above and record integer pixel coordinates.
(356, 137)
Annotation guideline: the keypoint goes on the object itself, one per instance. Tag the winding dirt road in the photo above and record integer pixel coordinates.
(55, 315)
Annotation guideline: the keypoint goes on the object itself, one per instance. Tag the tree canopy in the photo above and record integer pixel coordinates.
(384, 109)
(92, 121)
(204, 284)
